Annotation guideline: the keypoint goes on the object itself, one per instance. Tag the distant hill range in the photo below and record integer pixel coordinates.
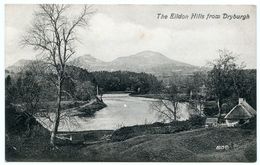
(18, 66)
(146, 61)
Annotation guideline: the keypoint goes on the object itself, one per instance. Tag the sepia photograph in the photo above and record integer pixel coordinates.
(130, 83)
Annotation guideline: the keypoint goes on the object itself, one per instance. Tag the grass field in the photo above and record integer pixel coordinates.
(188, 146)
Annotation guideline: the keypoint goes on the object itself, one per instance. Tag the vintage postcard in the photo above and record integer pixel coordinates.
(130, 83)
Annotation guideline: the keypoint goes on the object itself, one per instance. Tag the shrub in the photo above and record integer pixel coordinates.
(251, 124)
(197, 120)
(123, 134)
(158, 124)
(210, 108)
(181, 125)
(156, 128)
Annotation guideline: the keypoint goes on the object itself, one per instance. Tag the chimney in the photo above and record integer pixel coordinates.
(240, 100)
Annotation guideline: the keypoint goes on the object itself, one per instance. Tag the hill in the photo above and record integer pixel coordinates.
(197, 145)
(87, 62)
(188, 146)
(18, 66)
(146, 61)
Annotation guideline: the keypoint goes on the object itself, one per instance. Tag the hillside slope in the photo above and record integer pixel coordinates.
(197, 145)
(87, 62)
(145, 61)
(18, 66)
(191, 146)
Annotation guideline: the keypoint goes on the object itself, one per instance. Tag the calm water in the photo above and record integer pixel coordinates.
(122, 110)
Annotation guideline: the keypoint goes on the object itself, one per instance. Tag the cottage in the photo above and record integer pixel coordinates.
(240, 114)
(211, 122)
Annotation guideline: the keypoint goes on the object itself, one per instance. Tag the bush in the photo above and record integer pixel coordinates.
(90, 110)
(210, 108)
(180, 125)
(125, 133)
(251, 124)
(197, 120)
(158, 124)
(74, 104)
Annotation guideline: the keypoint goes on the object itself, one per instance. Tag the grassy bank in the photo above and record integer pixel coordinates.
(125, 133)
(89, 110)
(75, 108)
(185, 146)
(85, 108)
(182, 97)
(27, 140)
(153, 96)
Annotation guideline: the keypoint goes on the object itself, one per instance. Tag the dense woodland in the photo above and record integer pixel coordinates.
(141, 83)
(31, 90)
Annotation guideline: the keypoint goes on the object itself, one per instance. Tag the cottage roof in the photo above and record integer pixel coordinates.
(241, 111)
(250, 109)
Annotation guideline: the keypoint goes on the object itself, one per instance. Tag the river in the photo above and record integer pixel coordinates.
(122, 110)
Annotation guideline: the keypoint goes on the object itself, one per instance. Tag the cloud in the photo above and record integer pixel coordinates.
(13, 50)
(108, 39)
(111, 35)
(105, 36)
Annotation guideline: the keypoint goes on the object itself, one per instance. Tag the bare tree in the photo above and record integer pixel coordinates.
(167, 103)
(53, 33)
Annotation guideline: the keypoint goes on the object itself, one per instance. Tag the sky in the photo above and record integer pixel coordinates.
(123, 30)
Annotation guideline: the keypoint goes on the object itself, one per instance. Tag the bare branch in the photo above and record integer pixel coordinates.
(52, 34)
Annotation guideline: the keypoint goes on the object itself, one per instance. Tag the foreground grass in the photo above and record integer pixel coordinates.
(194, 145)
(21, 145)
(187, 146)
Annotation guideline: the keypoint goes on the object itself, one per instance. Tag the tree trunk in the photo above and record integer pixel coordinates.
(57, 115)
(200, 108)
(219, 109)
(175, 111)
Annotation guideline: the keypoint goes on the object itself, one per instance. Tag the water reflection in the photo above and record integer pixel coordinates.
(122, 110)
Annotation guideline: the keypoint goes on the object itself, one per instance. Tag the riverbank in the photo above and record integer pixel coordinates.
(152, 96)
(182, 97)
(77, 108)
(88, 110)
